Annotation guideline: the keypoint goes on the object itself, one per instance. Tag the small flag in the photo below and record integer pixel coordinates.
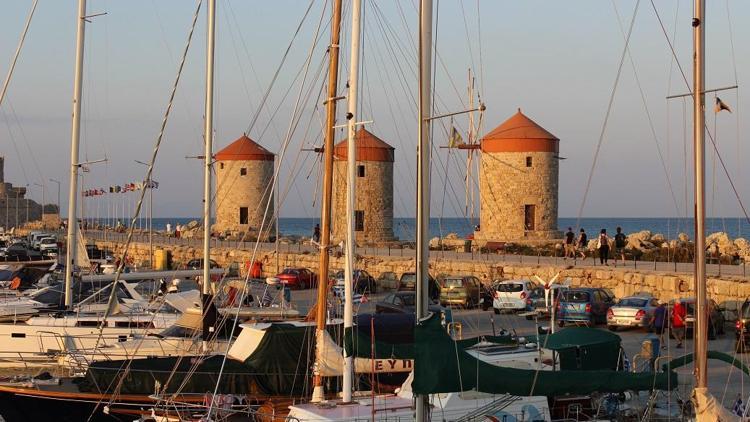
(721, 105)
(455, 138)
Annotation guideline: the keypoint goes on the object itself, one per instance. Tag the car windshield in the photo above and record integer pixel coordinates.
(634, 302)
(290, 271)
(745, 312)
(510, 287)
(48, 241)
(573, 296)
(409, 278)
(408, 300)
(453, 282)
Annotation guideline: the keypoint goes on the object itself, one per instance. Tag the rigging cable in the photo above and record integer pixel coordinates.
(607, 114)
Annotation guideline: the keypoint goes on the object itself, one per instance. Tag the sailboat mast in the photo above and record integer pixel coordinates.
(325, 216)
(351, 180)
(208, 162)
(423, 173)
(699, 124)
(75, 138)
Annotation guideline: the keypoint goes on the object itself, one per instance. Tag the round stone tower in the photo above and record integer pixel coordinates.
(244, 172)
(518, 182)
(373, 190)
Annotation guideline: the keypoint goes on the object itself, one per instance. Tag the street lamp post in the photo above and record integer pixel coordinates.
(150, 215)
(44, 197)
(58, 194)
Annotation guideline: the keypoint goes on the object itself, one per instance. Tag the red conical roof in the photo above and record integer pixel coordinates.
(369, 148)
(244, 149)
(519, 134)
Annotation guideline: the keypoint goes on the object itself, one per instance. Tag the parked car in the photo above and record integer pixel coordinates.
(463, 291)
(297, 278)
(36, 240)
(632, 311)
(512, 294)
(586, 305)
(742, 334)
(408, 282)
(716, 319)
(48, 246)
(197, 264)
(403, 302)
(536, 301)
(388, 280)
(363, 282)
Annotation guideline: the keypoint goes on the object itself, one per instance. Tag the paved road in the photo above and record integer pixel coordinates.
(491, 258)
(724, 380)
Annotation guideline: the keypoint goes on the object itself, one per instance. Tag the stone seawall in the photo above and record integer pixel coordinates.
(728, 291)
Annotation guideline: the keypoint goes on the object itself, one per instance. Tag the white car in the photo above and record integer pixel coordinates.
(511, 295)
(48, 245)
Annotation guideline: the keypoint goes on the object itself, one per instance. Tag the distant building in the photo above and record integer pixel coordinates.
(244, 173)
(373, 220)
(518, 182)
(15, 209)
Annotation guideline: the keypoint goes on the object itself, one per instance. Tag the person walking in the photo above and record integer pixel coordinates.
(603, 245)
(570, 247)
(659, 322)
(620, 240)
(316, 233)
(583, 242)
(679, 313)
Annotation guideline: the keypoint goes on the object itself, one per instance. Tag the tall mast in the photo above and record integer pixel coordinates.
(208, 161)
(325, 217)
(699, 124)
(423, 173)
(351, 163)
(75, 138)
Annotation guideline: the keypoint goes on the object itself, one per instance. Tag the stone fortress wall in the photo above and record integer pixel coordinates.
(728, 291)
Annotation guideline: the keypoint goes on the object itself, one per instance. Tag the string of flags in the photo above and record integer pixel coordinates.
(127, 187)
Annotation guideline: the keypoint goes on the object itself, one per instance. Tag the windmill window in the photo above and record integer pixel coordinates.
(528, 161)
(221, 166)
(243, 215)
(243, 171)
(359, 221)
(361, 171)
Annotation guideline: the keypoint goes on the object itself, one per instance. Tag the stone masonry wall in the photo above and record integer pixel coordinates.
(374, 196)
(506, 185)
(727, 291)
(251, 190)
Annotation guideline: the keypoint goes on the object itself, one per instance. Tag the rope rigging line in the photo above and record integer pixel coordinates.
(607, 114)
(648, 113)
(113, 295)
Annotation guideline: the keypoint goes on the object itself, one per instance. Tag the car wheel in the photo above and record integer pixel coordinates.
(529, 317)
(485, 306)
(497, 311)
(561, 323)
(612, 327)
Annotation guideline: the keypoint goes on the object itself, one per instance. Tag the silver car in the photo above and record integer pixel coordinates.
(632, 311)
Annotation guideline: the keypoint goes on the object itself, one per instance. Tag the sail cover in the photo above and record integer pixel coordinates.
(82, 256)
(459, 371)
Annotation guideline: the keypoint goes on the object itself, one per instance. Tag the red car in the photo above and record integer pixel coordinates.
(298, 278)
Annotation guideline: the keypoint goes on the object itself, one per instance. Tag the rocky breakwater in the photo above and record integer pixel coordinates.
(728, 291)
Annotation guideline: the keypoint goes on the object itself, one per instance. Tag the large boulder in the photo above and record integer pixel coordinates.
(683, 237)
(743, 246)
(658, 239)
(721, 243)
(435, 243)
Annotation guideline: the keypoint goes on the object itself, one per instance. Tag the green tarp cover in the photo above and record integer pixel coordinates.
(284, 357)
(712, 354)
(584, 348)
(171, 373)
(441, 367)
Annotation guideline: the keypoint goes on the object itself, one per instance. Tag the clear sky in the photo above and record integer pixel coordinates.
(556, 60)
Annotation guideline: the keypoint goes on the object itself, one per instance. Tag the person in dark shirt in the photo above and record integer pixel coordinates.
(620, 241)
(659, 321)
(316, 234)
(583, 243)
(570, 247)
